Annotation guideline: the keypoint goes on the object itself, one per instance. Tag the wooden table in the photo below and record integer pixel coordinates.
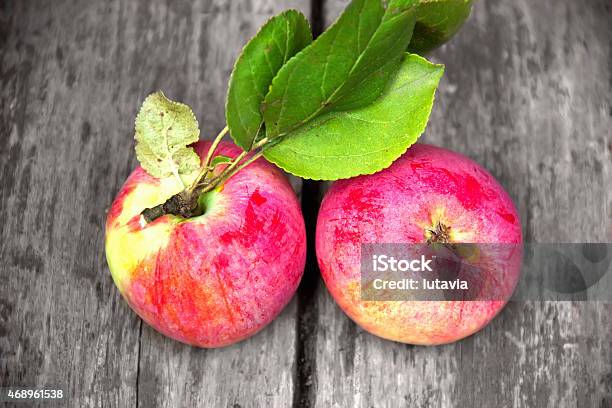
(527, 93)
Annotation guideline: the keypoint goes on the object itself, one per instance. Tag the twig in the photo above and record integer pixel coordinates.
(211, 151)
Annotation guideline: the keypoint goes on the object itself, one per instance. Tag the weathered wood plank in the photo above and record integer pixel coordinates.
(72, 77)
(68, 101)
(526, 94)
(197, 60)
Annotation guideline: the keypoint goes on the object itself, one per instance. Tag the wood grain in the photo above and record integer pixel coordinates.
(527, 94)
(259, 371)
(73, 75)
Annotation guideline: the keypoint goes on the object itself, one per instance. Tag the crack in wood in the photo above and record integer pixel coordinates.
(307, 312)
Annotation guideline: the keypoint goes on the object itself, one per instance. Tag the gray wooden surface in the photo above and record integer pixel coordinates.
(526, 93)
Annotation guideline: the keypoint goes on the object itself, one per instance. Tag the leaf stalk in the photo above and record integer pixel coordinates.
(184, 204)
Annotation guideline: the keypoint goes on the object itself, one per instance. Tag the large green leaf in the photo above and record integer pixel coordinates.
(437, 22)
(347, 67)
(277, 41)
(366, 140)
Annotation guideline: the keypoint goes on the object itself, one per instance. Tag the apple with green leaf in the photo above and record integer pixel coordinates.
(206, 240)
(216, 278)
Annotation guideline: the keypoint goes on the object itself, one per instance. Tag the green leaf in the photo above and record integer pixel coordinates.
(164, 128)
(366, 140)
(277, 41)
(347, 67)
(220, 159)
(437, 22)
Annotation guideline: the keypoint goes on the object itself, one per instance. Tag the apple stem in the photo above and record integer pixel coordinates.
(185, 203)
(179, 204)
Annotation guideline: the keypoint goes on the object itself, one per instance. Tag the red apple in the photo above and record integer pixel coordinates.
(429, 194)
(214, 279)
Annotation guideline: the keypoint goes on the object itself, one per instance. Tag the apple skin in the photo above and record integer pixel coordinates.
(213, 280)
(425, 186)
